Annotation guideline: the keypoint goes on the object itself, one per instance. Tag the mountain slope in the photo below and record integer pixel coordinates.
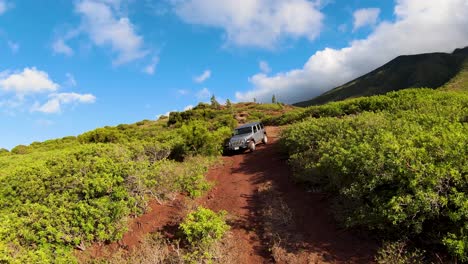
(430, 70)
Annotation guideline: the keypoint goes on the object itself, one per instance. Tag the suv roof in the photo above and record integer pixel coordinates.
(249, 124)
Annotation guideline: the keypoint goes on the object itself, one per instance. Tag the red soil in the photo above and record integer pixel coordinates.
(236, 191)
(236, 188)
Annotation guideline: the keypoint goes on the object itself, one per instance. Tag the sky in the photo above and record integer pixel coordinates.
(69, 66)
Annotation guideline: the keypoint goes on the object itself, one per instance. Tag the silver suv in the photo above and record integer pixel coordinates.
(247, 137)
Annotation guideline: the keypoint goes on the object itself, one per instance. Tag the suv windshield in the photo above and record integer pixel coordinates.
(244, 130)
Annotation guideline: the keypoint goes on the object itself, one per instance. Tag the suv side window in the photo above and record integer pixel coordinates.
(261, 126)
(255, 129)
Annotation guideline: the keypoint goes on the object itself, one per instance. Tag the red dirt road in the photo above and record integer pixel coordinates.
(237, 182)
(314, 236)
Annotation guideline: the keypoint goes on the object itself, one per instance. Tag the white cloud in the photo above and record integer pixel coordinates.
(150, 68)
(188, 107)
(29, 81)
(67, 98)
(203, 77)
(51, 106)
(106, 29)
(203, 94)
(60, 47)
(14, 47)
(255, 23)
(56, 100)
(421, 26)
(264, 67)
(365, 17)
(71, 81)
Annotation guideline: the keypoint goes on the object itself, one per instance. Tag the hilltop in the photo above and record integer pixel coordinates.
(430, 70)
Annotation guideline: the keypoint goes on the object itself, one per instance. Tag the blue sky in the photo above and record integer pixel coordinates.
(67, 67)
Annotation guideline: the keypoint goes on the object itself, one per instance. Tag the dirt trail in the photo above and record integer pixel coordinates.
(236, 192)
(313, 238)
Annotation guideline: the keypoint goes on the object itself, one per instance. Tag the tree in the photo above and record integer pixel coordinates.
(255, 100)
(214, 103)
(273, 99)
(228, 103)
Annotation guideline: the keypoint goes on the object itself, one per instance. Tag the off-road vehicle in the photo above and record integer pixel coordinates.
(247, 137)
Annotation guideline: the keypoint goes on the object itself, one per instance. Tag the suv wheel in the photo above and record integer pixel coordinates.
(265, 139)
(252, 146)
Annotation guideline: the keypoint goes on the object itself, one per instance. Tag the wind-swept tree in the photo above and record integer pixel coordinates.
(214, 102)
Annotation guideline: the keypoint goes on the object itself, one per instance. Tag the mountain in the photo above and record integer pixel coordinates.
(430, 70)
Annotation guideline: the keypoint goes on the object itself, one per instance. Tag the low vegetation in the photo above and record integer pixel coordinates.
(396, 163)
(65, 193)
(203, 228)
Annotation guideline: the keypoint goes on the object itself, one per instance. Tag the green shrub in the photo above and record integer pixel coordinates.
(21, 150)
(198, 139)
(203, 227)
(400, 170)
(102, 135)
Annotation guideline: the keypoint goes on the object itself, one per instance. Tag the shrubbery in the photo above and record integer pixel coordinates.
(393, 102)
(68, 192)
(399, 166)
(201, 229)
(204, 227)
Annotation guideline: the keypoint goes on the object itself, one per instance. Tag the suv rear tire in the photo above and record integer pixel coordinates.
(265, 139)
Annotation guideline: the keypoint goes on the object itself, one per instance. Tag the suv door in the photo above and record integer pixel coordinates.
(255, 132)
(259, 135)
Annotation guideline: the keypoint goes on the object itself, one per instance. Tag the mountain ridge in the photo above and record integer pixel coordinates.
(430, 70)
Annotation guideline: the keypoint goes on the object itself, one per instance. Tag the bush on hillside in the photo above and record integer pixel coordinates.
(401, 170)
(204, 227)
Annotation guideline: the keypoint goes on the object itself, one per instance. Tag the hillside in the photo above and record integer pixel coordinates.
(395, 165)
(431, 70)
(66, 193)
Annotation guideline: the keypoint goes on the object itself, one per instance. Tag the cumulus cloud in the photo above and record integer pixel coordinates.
(255, 23)
(203, 94)
(106, 29)
(56, 100)
(22, 87)
(29, 81)
(150, 68)
(203, 77)
(365, 17)
(264, 67)
(420, 26)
